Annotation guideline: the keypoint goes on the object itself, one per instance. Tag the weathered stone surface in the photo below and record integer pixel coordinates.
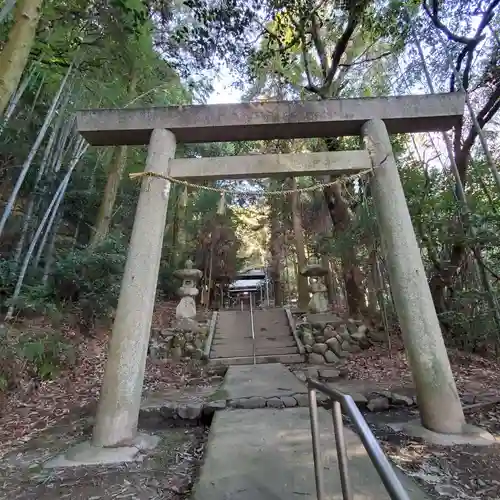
(346, 346)
(328, 374)
(308, 348)
(401, 399)
(318, 302)
(322, 319)
(308, 338)
(190, 411)
(329, 332)
(197, 354)
(334, 345)
(379, 403)
(275, 403)
(358, 336)
(302, 399)
(176, 353)
(319, 339)
(168, 410)
(344, 332)
(186, 308)
(316, 359)
(289, 401)
(362, 329)
(319, 348)
(331, 357)
(351, 326)
(253, 402)
(212, 406)
(270, 120)
(355, 348)
(377, 335)
(300, 375)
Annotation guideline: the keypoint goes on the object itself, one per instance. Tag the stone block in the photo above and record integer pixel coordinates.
(334, 345)
(275, 403)
(328, 374)
(253, 402)
(316, 359)
(319, 348)
(379, 403)
(331, 357)
(190, 411)
(289, 401)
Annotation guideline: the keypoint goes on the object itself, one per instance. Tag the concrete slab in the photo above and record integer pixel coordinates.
(87, 454)
(265, 380)
(271, 120)
(267, 454)
(472, 435)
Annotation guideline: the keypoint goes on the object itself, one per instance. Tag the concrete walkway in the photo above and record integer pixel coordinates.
(267, 453)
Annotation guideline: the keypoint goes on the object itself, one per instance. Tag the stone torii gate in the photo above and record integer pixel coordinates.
(373, 119)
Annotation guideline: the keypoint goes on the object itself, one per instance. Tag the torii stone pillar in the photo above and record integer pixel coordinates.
(439, 404)
(120, 399)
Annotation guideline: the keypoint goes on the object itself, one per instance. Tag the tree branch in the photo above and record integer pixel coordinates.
(435, 20)
(319, 46)
(483, 117)
(341, 47)
(373, 59)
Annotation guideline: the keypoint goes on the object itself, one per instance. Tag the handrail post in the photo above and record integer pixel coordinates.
(381, 463)
(253, 330)
(318, 467)
(338, 429)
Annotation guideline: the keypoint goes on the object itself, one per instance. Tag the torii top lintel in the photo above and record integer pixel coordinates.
(271, 120)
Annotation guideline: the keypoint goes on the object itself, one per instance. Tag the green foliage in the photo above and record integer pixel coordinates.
(32, 355)
(91, 276)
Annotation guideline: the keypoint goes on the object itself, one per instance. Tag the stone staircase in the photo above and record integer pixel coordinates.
(274, 343)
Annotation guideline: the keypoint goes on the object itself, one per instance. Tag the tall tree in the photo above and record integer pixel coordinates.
(16, 51)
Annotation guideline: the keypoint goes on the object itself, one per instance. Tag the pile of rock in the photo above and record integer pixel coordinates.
(327, 338)
(385, 400)
(184, 339)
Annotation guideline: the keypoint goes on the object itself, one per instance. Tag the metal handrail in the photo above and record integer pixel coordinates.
(381, 463)
(253, 331)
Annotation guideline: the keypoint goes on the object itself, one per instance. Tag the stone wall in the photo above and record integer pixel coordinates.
(183, 340)
(328, 339)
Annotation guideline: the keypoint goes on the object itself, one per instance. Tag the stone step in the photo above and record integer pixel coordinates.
(265, 342)
(248, 360)
(222, 353)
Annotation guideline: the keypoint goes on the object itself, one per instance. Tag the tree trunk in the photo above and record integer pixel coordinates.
(371, 283)
(16, 51)
(117, 166)
(302, 283)
(353, 277)
(58, 195)
(103, 223)
(33, 151)
(276, 250)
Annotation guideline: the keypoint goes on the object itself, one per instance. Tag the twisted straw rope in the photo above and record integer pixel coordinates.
(282, 192)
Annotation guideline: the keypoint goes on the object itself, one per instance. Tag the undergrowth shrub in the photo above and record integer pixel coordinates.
(32, 356)
(92, 276)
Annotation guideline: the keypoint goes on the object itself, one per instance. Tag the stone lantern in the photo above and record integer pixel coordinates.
(186, 309)
(319, 300)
